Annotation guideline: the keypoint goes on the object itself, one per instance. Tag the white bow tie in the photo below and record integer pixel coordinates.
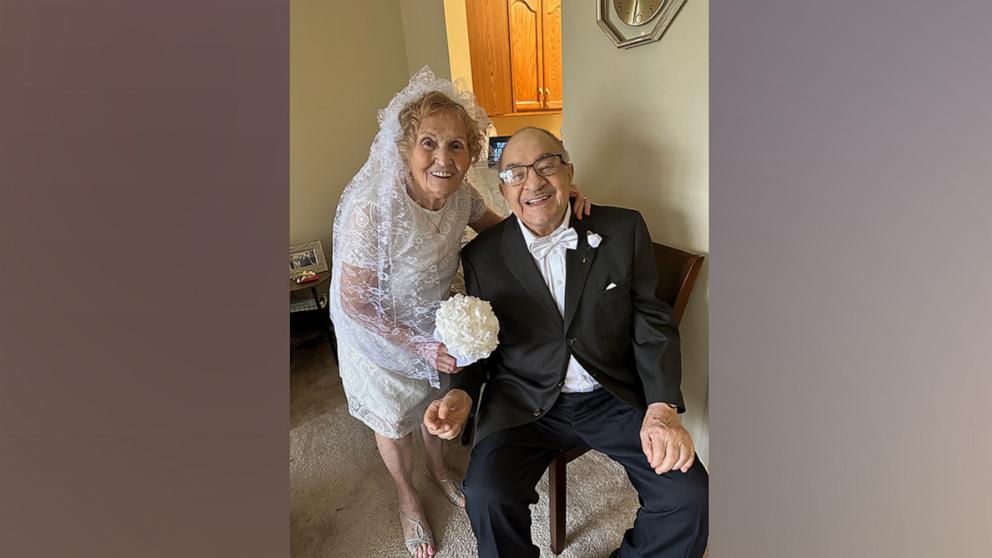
(565, 237)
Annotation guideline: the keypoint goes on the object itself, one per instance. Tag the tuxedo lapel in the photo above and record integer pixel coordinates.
(524, 268)
(578, 262)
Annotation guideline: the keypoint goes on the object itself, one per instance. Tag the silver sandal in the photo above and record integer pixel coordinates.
(452, 490)
(423, 536)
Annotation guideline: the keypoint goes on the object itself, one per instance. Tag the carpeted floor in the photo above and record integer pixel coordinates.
(343, 502)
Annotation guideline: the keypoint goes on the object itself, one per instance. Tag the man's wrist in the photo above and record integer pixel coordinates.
(665, 407)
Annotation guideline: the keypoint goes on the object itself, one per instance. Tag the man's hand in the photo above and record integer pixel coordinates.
(666, 444)
(446, 417)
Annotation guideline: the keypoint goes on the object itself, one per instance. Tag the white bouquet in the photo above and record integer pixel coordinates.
(468, 327)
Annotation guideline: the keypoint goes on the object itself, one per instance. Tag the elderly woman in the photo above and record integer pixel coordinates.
(397, 234)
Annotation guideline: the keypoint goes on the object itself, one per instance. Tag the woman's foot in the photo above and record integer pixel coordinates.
(450, 486)
(417, 536)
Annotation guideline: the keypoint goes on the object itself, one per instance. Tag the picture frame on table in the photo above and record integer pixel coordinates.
(306, 256)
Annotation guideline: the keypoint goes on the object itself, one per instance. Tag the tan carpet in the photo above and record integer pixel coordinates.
(343, 502)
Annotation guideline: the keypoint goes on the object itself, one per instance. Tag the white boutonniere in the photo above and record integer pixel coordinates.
(593, 239)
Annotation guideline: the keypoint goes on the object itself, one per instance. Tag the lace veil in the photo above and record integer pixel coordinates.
(383, 307)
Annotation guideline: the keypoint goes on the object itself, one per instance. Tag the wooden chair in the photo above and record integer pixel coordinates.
(677, 272)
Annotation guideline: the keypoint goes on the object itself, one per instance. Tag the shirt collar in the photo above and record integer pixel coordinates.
(530, 237)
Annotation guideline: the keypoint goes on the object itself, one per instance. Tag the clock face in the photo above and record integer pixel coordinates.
(637, 12)
(629, 23)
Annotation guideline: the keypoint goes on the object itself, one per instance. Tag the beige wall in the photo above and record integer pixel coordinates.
(456, 30)
(636, 123)
(340, 75)
(424, 36)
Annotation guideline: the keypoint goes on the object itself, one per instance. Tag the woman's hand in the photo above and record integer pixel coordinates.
(582, 205)
(437, 356)
(444, 362)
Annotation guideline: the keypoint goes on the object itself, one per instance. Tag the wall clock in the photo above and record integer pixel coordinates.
(629, 23)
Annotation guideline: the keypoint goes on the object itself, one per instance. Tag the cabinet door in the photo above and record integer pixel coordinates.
(526, 54)
(489, 51)
(551, 34)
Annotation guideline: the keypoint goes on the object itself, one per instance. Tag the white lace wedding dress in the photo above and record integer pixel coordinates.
(391, 403)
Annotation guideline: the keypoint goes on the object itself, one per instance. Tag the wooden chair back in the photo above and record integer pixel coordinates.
(677, 272)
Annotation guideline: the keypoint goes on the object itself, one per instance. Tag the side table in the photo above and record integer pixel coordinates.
(319, 318)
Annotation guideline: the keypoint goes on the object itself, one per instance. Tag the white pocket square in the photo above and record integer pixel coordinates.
(610, 286)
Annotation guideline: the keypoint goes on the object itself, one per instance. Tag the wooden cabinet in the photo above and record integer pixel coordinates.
(489, 51)
(551, 45)
(515, 48)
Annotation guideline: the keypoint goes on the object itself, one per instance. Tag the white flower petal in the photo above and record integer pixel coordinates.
(468, 327)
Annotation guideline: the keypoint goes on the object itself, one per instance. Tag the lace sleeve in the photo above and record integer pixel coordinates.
(478, 204)
(369, 314)
(359, 298)
(359, 236)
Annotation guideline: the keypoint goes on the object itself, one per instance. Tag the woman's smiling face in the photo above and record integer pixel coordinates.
(440, 157)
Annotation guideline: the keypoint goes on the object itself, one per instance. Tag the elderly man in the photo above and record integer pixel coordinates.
(587, 355)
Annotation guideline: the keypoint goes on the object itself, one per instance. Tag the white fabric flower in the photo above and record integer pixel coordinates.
(468, 327)
(593, 239)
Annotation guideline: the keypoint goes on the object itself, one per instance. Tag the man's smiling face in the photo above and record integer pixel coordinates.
(539, 202)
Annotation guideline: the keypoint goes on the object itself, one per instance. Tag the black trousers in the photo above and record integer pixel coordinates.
(504, 468)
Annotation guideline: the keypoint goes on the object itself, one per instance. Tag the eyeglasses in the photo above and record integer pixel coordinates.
(545, 166)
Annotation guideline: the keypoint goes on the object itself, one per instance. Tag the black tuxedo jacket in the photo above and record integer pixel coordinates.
(624, 337)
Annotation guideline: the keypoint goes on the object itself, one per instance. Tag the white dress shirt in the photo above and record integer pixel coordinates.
(552, 268)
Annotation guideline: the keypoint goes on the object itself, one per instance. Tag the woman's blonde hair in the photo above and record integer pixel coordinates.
(433, 103)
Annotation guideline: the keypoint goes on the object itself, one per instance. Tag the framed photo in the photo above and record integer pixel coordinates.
(308, 256)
